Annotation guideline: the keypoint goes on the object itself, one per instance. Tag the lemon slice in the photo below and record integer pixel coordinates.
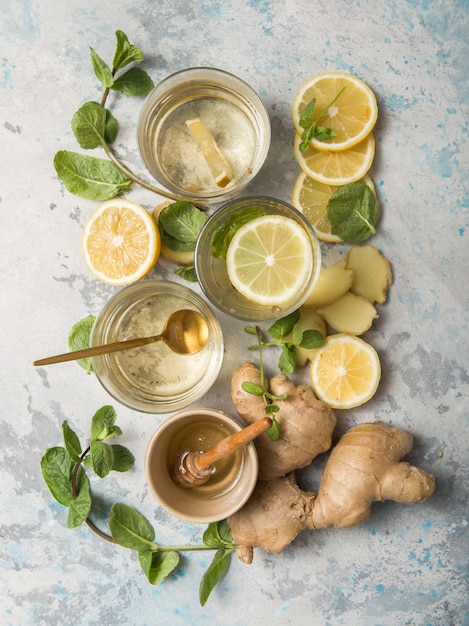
(352, 116)
(120, 242)
(219, 166)
(345, 371)
(311, 198)
(270, 259)
(336, 168)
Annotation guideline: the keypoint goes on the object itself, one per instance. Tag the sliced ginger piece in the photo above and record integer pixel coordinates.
(372, 272)
(219, 166)
(333, 282)
(309, 320)
(349, 314)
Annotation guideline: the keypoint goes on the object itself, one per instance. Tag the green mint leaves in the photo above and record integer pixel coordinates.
(180, 224)
(94, 126)
(223, 235)
(62, 466)
(90, 177)
(217, 536)
(310, 123)
(64, 474)
(79, 339)
(287, 333)
(353, 210)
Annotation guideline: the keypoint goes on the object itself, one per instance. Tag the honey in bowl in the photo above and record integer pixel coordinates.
(230, 485)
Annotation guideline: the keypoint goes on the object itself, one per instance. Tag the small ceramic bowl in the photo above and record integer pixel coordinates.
(213, 276)
(232, 112)
(153, 378)
(227, 489)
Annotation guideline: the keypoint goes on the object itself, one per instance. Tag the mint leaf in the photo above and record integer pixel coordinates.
(134, 82)
(130, 529)
(297, 335)
(125, 52)
(89, 125)
(102, 71)
(180, 224)
(79, 339)
(217, 535)
(158, 565)
(81, 505)
(252, 388)
(57, 469)
(122, 458)
(102, 457)
(111, 128)
(287, 361)
(284, 325)
(188, 273)
(90, 177)
(102, 422)
(311, 339)
(306, 117)
(353, 211)
(72, 443)
(273, 433)
(223, 235)
(215, 572)
(310, 123)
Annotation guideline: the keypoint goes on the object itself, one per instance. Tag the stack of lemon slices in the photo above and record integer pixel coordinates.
(346, 158)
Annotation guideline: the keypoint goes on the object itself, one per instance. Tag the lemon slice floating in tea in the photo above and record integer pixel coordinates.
(269, 260)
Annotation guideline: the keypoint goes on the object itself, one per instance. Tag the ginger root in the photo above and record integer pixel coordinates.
(306, 423)
(363, 468)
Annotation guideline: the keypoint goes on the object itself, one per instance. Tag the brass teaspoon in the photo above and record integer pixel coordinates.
(185, 332)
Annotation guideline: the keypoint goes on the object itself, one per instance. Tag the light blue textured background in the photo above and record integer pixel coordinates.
(405, 565)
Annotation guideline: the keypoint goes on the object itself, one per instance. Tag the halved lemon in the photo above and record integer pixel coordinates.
(270, 259)
(352, 116)
(337, 168)
(345, 371)
(311, 198)
(120, 242)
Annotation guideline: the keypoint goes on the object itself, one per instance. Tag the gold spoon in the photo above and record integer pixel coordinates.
(185, 332)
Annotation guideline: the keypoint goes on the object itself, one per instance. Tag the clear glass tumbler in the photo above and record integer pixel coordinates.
(153, 378)
(212, 272)
(232, 112)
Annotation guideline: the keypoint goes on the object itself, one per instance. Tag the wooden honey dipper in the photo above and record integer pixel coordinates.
(195, 468)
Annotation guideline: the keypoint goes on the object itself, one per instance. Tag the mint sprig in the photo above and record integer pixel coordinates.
(279, 333)
(311, 126)
(63, 470)
(94, 126)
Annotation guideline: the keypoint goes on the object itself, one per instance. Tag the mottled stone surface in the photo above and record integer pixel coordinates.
(406, 565)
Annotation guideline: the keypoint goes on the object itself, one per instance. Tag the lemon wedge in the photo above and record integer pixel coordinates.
(219, 166)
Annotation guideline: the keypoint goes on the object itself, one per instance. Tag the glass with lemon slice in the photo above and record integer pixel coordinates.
(271, 263)
(203, 134)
